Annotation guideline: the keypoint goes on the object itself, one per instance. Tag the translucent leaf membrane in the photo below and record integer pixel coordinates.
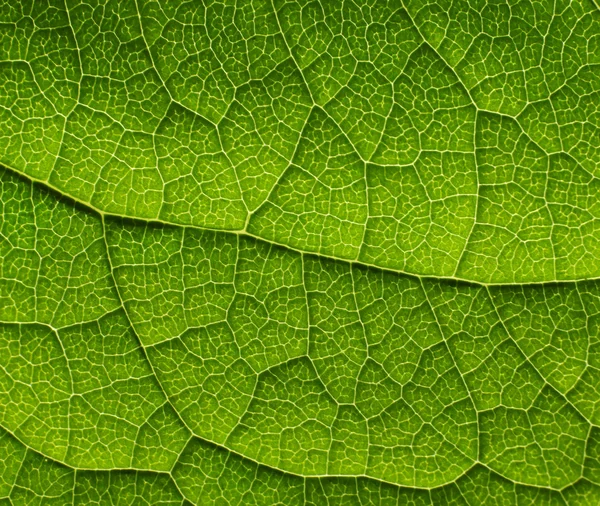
(206, 474)
(451, 139)
(280, 252)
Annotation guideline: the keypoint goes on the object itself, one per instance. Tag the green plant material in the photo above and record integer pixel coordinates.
(281, 253)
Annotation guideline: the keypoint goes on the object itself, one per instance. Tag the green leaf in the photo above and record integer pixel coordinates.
(299, 253)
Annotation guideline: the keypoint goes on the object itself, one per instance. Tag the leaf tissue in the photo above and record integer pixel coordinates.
(299, 252)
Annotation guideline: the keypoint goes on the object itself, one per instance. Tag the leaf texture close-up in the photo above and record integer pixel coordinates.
(280, 252)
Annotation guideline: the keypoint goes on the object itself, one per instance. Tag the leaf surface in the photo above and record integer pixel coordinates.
(274, 253)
